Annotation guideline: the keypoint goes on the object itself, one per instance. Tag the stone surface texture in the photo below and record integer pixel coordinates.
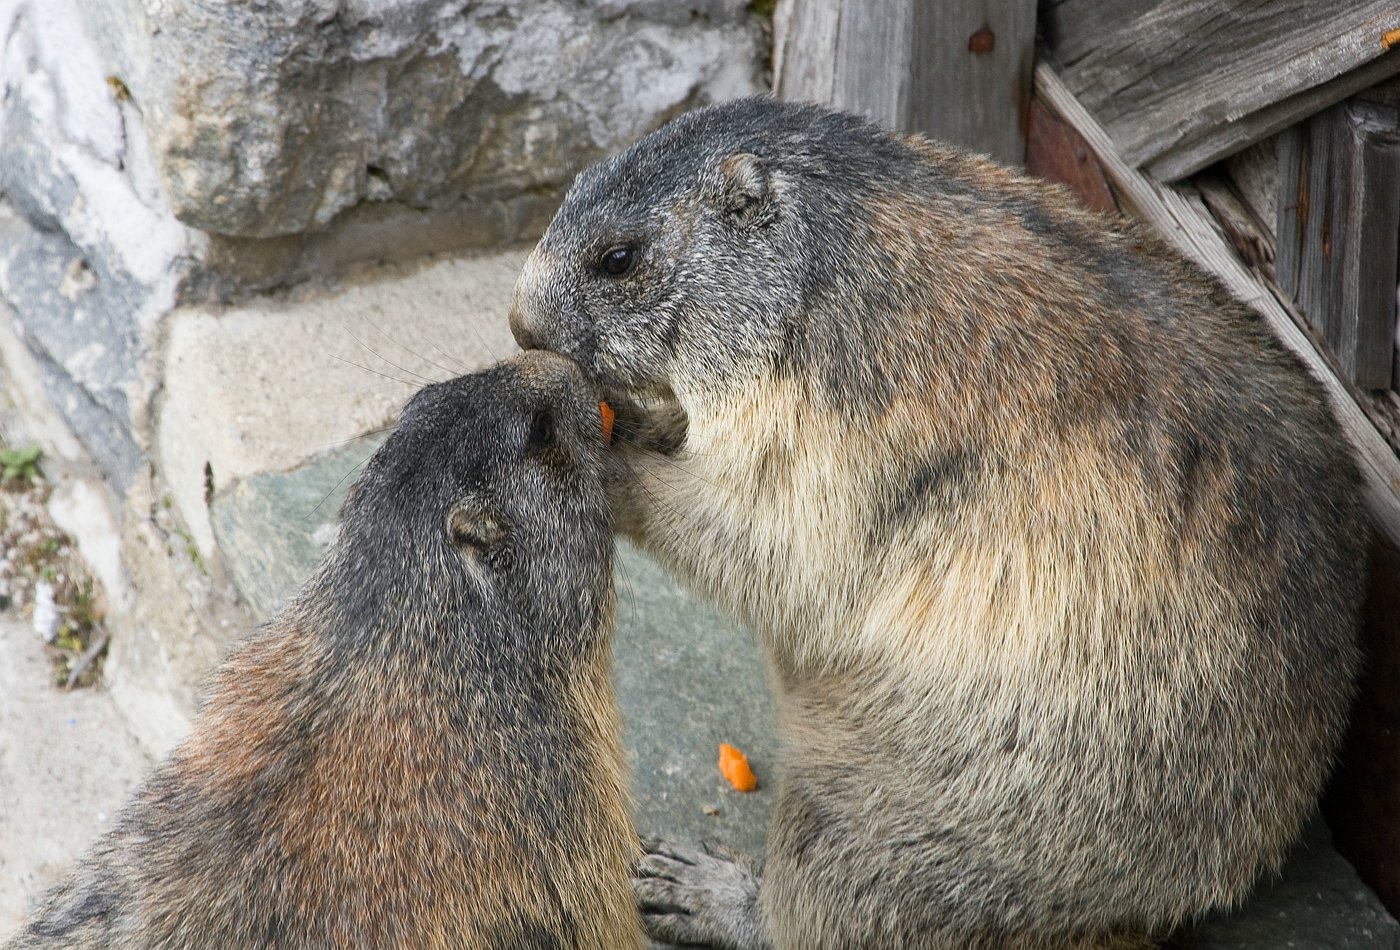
(159, 152)
(67, 762)
(90, 256)
(272, 117)
(276, 381)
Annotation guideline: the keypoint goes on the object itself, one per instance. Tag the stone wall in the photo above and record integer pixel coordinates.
(199, 198)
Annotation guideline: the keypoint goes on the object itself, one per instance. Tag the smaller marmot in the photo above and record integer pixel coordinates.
(422, 749)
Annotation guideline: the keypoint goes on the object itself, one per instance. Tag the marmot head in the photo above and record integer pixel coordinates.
(488, 497)
(697, 257)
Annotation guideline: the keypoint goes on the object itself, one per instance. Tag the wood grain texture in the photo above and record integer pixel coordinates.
(1338, 229)
(1254, 174)
(1189, 228)
(804, 51)
(958, 70)
(1369, 241)
(1056, 152)
(1251, 239)
(1179, 84)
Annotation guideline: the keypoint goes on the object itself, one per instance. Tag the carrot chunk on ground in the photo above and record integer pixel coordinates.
(734, 765)
(608, 416)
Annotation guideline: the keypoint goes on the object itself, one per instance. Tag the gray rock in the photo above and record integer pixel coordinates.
(69, 763)
(1316, 903)
(88, 354)
(687, 680)
(273, 528)
(273, 117)
(155, 152)
(90, 256)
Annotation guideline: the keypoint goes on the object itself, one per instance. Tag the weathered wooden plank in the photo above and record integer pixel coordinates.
(804, 51)
(1316, 276)
(1178, 84)
(1056, 152)
(1228, 137)
(1293, 208)
(1364, 327)
(874, 60)
(957, 70)
(1190, 230)
(1339, 224)
(972, 65)
(1386, 93)
(1061, 22)
(1254, 173)
(1251, 240)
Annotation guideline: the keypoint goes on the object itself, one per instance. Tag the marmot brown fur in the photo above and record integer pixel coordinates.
(422, 749)
(1054, 549)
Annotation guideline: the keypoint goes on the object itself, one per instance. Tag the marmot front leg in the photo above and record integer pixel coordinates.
(706, 896)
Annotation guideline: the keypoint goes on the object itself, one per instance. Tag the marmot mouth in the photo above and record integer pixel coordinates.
(650, 419)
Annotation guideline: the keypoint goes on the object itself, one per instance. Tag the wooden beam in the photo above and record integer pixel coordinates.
(1370, 241)
(971, 81)
(957, 70)
(1056, 152)
(1227, 138)
(1180, 84)
(1339, 227)
(1190, 229)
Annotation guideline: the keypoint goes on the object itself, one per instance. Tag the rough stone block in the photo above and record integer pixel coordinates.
(90, 256)
(273, 117)
(269, 385)
(157, 152)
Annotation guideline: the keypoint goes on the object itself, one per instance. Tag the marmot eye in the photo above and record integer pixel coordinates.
(541, 430)
(619, 261)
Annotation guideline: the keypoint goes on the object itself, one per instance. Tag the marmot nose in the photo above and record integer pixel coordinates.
(520, 327)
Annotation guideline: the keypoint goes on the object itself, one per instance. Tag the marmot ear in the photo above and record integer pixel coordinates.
(473, 526)
(748, 186)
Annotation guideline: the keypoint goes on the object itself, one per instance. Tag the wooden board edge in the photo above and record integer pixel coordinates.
(1213, 143)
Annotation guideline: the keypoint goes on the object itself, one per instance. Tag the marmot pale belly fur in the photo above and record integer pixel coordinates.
(422, 749)
(1056, 553)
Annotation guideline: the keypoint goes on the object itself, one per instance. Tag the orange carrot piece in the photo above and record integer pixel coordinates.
(608, 416)
(734, 765)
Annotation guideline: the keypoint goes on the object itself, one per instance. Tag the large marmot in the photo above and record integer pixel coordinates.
(1055, 551)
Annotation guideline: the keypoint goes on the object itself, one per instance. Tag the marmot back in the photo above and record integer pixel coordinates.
(422, 749)
(1039, 526)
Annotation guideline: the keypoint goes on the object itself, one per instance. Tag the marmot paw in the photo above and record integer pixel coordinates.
(706, 896)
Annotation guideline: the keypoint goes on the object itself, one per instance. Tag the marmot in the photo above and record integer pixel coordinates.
(1055, 551)
(422, 749)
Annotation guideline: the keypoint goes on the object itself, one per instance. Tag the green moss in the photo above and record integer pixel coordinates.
(20, 464)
